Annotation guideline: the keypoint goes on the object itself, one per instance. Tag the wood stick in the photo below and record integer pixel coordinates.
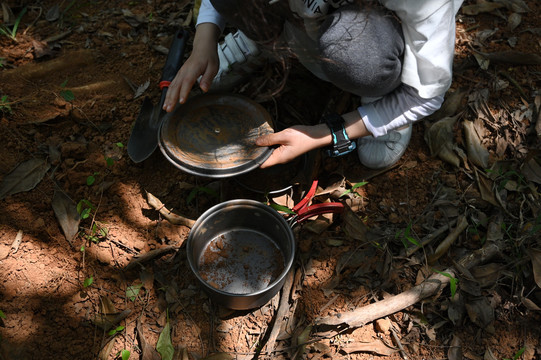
(391, 305)
(170, 216)
(151, 255)
(283, 309)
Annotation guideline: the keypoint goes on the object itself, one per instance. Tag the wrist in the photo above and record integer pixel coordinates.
(206, 33)
(340, 141)
(318, 136)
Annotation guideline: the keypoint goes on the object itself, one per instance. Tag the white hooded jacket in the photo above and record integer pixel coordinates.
(429, 34)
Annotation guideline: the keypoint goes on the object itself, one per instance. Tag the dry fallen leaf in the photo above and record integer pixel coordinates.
(489, 355)
(455, 349)
(479, 311)
(135, 20)
(487, 275)
(451, 105)
(530, 305)
(535, 255)
(53, 13)
(482, 61)
(141, 89)
(476, 152)
(444, 246)
(354, 227)
(106, 350)
(66, 213)
(531, 169)
(24, 177)
(7, 13)
(439, 138)
(147, 351)
(485, 188)
(456, 310)
(513, 21)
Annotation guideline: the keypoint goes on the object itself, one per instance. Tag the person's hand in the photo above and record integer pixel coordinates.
(203, 61)
(293, 142)
(297, 140)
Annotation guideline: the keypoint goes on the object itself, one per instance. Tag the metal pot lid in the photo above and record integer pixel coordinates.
(213, 135)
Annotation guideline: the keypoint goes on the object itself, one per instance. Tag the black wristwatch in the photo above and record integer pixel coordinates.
(341, 144)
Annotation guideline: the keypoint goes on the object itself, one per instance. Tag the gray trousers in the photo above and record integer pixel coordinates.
(358, 49)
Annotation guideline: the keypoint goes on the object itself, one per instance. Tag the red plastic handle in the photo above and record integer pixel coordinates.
(307, 198)
(164, 84)
(319, 209)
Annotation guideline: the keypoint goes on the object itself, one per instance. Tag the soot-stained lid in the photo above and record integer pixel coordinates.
(213, 135)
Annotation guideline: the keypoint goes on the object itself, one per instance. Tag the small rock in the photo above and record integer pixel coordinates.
(61, 103)
(4, 252)
(422, 157)
(383, 325)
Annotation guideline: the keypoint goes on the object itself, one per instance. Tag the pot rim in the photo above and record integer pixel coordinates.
(288, 260)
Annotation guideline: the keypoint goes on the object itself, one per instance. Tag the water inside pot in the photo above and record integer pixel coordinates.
(241, 261)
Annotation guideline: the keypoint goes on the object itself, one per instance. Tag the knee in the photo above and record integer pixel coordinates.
(362, 50)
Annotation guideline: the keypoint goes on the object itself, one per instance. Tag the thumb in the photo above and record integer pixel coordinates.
(205, 82)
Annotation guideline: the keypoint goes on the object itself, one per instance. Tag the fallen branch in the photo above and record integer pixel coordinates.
(57, 37)
(151, 255)
(170, 216)
(283, 310)
(391, 305)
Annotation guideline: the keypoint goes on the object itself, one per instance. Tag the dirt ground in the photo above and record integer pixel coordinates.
(92, 270)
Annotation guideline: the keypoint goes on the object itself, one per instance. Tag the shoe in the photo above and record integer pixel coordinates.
(239, 56)
(383, 151)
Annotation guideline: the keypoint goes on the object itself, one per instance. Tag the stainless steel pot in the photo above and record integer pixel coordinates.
(240, 251)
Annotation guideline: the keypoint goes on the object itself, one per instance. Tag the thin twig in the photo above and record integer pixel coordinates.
(430, 237)
(514, 82)
(399, 344)
(125, 247)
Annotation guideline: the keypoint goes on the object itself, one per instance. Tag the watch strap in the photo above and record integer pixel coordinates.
(341, 144)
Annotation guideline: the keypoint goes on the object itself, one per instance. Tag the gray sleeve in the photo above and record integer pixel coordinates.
(399, 108)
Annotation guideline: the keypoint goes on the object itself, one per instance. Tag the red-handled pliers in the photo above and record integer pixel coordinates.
(302, 211)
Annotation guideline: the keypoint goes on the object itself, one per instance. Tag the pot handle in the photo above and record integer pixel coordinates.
(318, 209)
